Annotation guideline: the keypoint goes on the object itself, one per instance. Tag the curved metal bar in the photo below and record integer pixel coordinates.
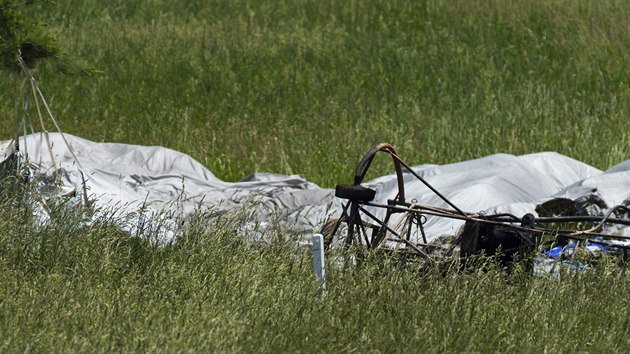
(364, 165)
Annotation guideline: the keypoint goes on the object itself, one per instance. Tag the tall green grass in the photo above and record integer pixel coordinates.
(307, 87)
(97, 289)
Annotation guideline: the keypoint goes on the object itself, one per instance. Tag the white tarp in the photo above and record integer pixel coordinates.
(128, 177)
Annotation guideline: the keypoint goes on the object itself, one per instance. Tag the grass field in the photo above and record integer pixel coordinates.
(307, 87)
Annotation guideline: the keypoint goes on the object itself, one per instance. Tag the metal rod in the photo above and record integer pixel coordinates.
(428, 185)
(493, 222)
(588, 218)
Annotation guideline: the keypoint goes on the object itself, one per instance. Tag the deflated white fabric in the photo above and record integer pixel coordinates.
(125, 178)
(128, 177)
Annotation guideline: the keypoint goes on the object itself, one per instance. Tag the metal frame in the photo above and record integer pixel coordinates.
(372, 233)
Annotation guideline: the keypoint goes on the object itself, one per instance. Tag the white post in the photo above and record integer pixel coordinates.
(318, 261)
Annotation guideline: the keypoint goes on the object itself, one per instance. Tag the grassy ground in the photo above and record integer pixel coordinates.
(307, 87)
(97, 289)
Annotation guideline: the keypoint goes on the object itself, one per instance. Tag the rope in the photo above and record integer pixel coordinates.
(24, 114)
(57, 126)
(17, 116)
(37, 92)
(44, 131)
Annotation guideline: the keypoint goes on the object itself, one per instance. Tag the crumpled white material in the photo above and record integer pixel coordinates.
(126, 178)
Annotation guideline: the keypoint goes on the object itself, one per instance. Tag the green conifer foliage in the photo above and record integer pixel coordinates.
(21, 36)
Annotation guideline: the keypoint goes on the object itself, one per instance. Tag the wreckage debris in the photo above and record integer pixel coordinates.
(562, 228)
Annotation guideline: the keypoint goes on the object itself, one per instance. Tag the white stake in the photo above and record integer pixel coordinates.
(318, 261)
